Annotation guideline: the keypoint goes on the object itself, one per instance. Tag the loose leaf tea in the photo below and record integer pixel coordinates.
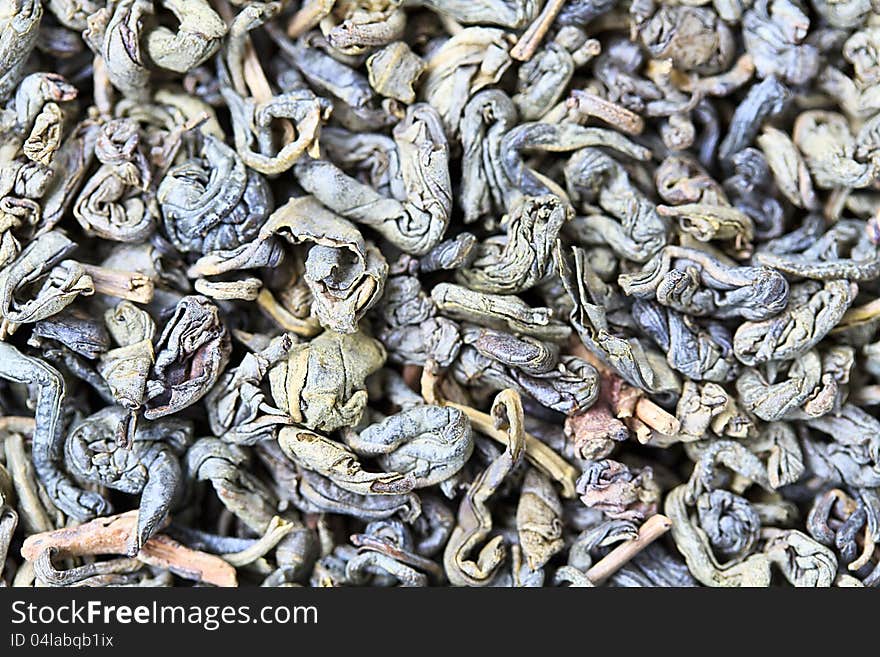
(503, 293)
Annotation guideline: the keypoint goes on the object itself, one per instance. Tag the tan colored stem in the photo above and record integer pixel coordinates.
(653, 528)
(278, 528)
(867, 552)
(858, 315)
(255, 77)
(173, 142)
(836, 202)
(7, 328)
(769, 533)
(865, 396)
(645, 410)
(450, 25)
(130, 285)
(847, 504)
(716, 85)
(259, 86)
(103, 91)
(309, 15)
(540, 455)
(657, 418)
(644, 433)
(17, 424)
(530, 40)
(305, 327)
(32, 513)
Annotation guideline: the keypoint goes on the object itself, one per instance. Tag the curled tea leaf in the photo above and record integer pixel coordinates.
(431, 442)
(149, 468)
(539, 520)
(321, 383)
(190, 356)
(213, 203)
(803, 561)
(474, 518)
(339, 464)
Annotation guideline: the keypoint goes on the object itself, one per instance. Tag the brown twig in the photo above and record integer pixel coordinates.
(597, 422)
(589, 104)
(259, 86)
(130, 285)
(164, 552)
(836, 202)
(644, 433)
(412, 374)
(530, 40)
(653, 528)
(108, 535)
(172, 143)
(628, 401)
(656, 418)
(113, 534)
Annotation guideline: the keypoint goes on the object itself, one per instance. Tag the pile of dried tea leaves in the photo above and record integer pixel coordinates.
(432, 293)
